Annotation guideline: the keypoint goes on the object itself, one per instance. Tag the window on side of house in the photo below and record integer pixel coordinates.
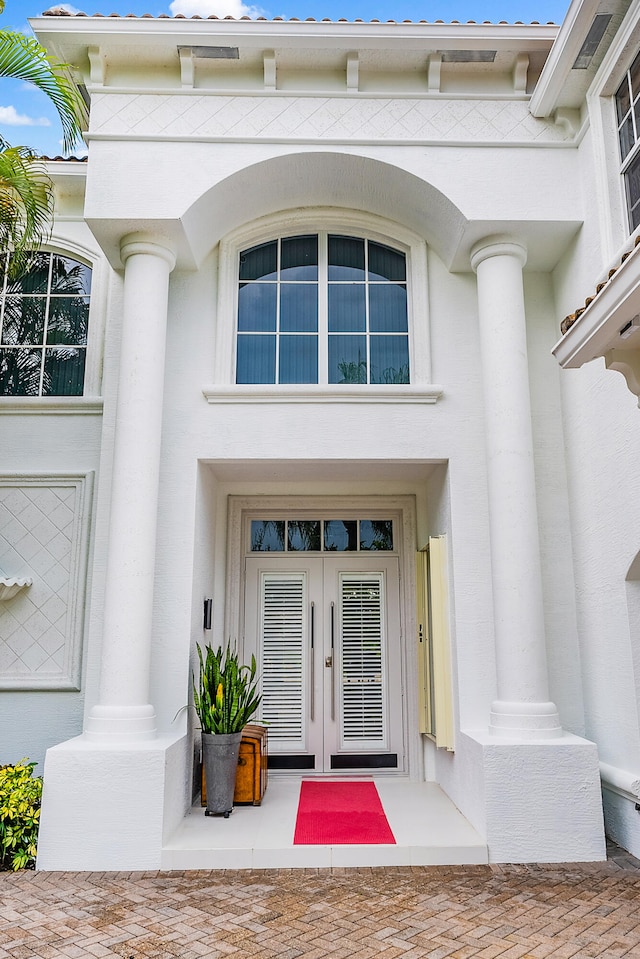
(628, 116)
(44, 316)
(322, 309)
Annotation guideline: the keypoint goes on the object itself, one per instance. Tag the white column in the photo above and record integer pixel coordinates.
(123, 711)
(522, 709)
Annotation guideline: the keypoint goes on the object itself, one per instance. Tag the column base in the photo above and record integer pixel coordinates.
(524, 721)
(105, 806)
(121, 723)
(542, 800)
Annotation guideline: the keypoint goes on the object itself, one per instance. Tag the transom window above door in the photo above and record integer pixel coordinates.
(321, 536)
(322, 308)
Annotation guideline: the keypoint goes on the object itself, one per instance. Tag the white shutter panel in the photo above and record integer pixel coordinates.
(282, 660)
(363, 712)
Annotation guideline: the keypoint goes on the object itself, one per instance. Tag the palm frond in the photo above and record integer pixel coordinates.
(26, 204)
(22, 58)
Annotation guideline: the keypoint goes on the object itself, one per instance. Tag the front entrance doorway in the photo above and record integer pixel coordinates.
(325, 631)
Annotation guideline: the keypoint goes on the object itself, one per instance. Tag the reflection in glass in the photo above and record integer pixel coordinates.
(256, 361)
(389, 359)
(385, 263)
(347, 308)
(260, 262)
(347, 359)
(20, 372)
(299, 258)
(388, 308)
(303, 535)
(267, 535)
(346, 258)
(69, 276)
(68, 320)
(46, 308)
(23, 320)
(376, 534)
(298, 359)
(299, 308)
(341, 535)
(64, 371)
(257, 303)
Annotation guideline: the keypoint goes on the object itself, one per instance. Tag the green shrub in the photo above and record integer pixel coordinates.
(20, 795)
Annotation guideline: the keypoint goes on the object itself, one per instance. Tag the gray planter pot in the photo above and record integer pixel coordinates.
(220, 758)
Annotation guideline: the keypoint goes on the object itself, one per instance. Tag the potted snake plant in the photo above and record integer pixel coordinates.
(225, 697)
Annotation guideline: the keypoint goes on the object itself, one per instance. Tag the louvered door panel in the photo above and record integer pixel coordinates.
(283, 663)
(362, 645)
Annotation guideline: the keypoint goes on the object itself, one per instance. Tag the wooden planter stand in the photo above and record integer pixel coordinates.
(251, 777)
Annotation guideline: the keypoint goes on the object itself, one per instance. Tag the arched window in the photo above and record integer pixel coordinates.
(44, 316)
(322, 308)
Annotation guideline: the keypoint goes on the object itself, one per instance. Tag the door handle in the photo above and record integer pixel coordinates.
(312, 678)
(329, 662)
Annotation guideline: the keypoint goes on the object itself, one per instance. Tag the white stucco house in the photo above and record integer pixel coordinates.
(295, 348)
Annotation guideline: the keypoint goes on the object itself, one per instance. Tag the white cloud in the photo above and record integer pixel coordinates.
(66, 7)
(80, 151)
(218, 8)
(11, 117)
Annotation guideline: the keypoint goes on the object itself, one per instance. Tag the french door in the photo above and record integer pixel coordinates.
(326, 634)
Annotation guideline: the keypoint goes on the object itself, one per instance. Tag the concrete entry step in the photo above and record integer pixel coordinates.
(428, 828)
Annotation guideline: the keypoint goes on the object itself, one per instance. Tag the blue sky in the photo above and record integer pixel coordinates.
(27, 119)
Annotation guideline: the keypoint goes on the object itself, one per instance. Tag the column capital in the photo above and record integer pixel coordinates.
(147, 243)
(498, 245)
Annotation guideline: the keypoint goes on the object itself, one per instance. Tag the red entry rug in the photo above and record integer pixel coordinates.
(340, 813)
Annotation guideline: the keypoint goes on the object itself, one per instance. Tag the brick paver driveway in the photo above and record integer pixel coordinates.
(489, 912)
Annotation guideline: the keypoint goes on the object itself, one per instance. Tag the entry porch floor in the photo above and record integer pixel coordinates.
(428, 828)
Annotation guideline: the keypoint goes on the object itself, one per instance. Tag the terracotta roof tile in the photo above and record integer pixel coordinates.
(569, 320)
(62, 12)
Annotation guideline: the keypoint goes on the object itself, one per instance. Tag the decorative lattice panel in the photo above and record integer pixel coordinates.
(44, 532)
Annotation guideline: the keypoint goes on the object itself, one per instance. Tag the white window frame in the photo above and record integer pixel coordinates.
(335, 222)
(91, 399)
(613, 208)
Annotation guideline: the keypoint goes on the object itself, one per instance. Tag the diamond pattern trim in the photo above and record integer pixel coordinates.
(43, 535)
(275, 117)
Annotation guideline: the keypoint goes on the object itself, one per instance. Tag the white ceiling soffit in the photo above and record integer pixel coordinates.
(576, 54)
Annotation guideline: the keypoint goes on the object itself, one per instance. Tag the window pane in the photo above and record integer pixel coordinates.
(634, 73)
(385, 263)
(257, 307)
(298, 359)
(63, 372)
(299, 258)
(256, 359)
(35, 279)
(260, 262)
(623, 100)
(303, 535)
(347, 312)
(389, 359)
(299, 308)
(23, 320)
(340, 535)
(20, 372)
(69, 276)
(68, 320)
(376, 534)
(632, 180)
(388, 308)
(346, 258)
(267, 535)
(347, 359)
(626, 137)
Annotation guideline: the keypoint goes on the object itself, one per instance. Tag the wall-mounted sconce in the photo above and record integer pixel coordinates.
(208, 604)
